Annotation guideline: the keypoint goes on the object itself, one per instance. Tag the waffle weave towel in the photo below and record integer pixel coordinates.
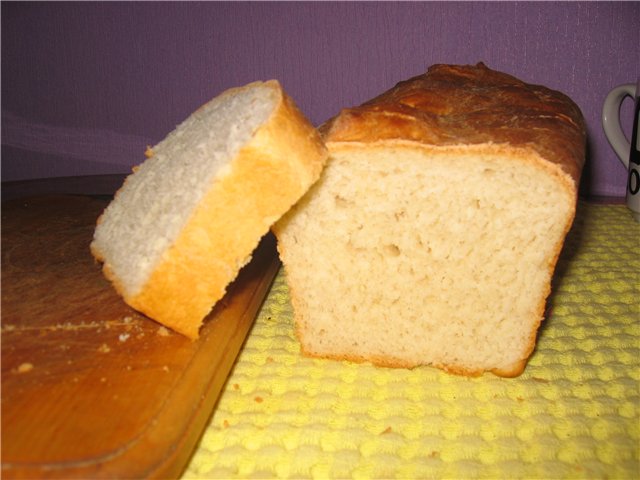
(573, 413)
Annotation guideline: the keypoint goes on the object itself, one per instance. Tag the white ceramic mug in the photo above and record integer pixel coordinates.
(628, 153)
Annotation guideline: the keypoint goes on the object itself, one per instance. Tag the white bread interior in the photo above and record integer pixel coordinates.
(407, 255)
(188, 218)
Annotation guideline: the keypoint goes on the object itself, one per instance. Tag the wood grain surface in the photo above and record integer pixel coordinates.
(90, 387)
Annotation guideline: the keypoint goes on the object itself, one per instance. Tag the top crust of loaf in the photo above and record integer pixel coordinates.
(467, 105)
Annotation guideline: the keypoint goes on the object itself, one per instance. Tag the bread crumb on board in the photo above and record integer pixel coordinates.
(24, 367)
(104, 348)
(163, 332)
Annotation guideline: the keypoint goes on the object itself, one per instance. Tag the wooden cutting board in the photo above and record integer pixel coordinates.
(90, 387)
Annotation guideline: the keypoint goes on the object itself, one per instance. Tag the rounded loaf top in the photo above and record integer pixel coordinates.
(470, 104)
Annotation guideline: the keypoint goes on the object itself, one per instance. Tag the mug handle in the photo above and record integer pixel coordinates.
(611, 121)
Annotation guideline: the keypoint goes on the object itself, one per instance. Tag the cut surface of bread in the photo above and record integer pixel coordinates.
(425, 241)
(188, 218)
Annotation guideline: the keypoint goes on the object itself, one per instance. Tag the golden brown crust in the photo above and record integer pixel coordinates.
(283, 158)
(466, 105)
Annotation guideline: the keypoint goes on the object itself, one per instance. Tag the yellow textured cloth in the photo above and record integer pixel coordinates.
(573, 413)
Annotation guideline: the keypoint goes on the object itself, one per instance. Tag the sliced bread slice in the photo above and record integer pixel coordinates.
(188, 218)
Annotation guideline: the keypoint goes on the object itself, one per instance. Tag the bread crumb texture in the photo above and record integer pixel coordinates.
(573, 413)
(420, 264)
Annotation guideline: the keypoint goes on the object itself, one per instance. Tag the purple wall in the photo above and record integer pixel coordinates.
(85, 86)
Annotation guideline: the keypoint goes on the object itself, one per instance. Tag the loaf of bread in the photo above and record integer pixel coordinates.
(189, 217)
(432, 234)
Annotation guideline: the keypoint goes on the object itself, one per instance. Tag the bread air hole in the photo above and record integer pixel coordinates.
(399, 215)
(342, 202)
(391, 250)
